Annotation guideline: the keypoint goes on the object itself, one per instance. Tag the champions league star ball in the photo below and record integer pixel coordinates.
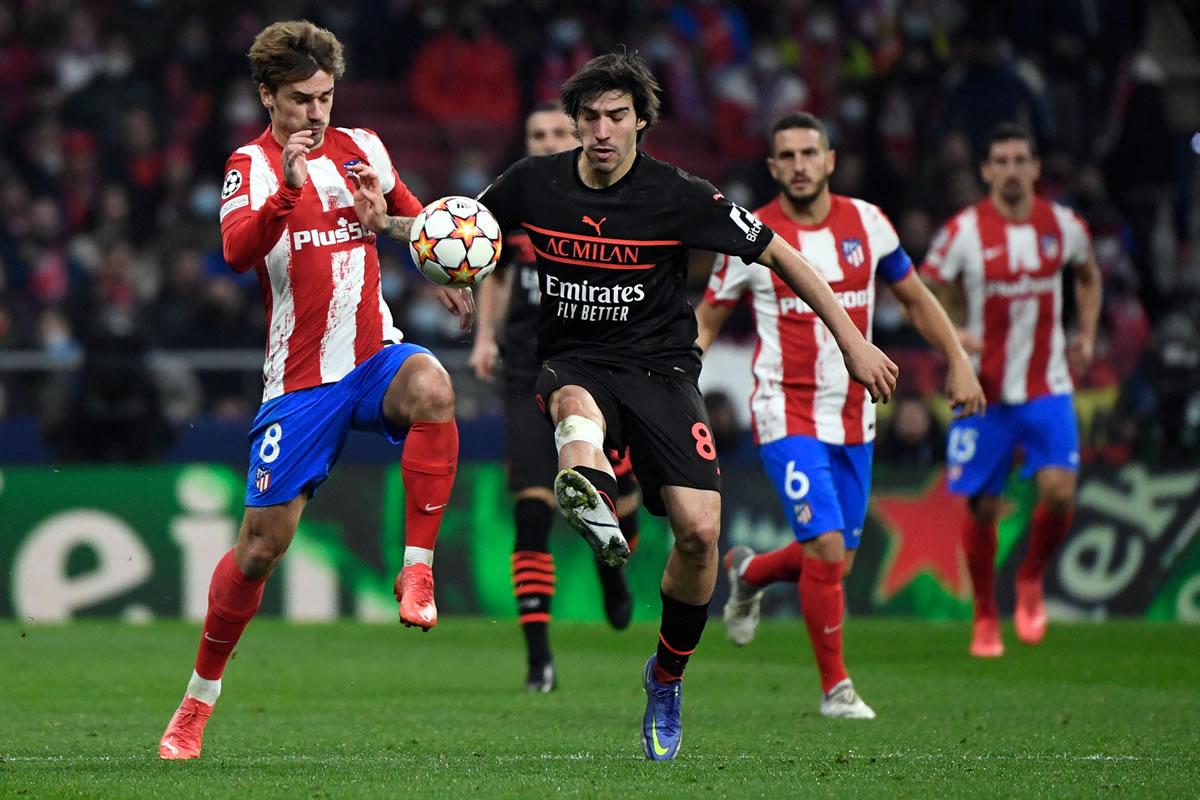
(455, 241)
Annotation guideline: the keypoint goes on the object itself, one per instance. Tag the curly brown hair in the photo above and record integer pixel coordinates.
(291, 51)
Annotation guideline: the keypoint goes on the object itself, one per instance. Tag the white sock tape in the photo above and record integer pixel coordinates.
(575, 428)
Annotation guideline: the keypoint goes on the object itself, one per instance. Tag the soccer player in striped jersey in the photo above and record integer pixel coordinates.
(815, 428)
(1007, 254)
(334, 360)
(532, 457)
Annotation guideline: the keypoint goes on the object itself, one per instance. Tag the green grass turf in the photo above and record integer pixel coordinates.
(353, 710)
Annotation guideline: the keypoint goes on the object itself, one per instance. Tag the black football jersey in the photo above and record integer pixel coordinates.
(612, 262)
(519, 336)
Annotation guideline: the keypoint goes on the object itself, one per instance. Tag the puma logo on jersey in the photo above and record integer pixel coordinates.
(589, 221)
(344, 232)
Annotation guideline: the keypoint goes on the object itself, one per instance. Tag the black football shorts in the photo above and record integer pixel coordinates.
(532, 457)
(661, 419)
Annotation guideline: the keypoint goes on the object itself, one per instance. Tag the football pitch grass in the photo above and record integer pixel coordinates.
(356, 710)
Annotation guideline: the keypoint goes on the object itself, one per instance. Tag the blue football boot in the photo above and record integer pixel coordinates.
(661, 730)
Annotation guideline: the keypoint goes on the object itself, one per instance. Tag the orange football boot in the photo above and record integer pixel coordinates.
(986, 641)
(183, 736)
(414, 591)
(1029, 617)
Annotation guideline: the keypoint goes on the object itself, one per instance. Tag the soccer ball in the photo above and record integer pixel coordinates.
(455, 241)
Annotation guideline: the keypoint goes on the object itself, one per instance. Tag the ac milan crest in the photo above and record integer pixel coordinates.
(852, 251)
(262, 478)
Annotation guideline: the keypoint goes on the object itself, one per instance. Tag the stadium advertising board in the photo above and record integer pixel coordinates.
(140, 543)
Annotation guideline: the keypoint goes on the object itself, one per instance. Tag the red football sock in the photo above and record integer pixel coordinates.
(233, 599)
(979, 543)
(823, 602)
(427, 468)
(784, 564)
(1047, 529)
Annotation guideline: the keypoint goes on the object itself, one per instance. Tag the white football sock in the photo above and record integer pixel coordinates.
(417, 555)
(204, 690)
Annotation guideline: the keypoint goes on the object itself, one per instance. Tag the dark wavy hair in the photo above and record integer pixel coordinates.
(622, 71)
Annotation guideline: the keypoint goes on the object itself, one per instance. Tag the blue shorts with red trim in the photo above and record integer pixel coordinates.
(980, 449)
(823, 487)
(297, 437)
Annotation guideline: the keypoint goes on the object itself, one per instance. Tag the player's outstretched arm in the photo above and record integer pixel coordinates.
(710, 317)
(1088, 298)
(371, 206)
(962, 386)
(489, 307)
(866, 363)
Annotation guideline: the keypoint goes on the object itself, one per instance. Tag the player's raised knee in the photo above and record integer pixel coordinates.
(427, 393)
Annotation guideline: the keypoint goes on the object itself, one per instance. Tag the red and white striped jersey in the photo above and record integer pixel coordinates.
(801, 384)
(1011, 277)
(316, 264)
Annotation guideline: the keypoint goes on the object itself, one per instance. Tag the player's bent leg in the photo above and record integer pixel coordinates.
(979, 543)
(687, 586)
(586, 486)
(234, 595)
(420, 397)
(1048, 527)
(534, 583)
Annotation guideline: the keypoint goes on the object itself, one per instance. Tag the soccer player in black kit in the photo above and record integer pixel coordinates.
(532, 458)
(611, 228)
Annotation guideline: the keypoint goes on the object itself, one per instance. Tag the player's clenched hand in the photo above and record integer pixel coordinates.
(460, 303)
(369, 203)
(1080, 354)
(868, 365)
(295, 161)
(963, 389)
(483, 357)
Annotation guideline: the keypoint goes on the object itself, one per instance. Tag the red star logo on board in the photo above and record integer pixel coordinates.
(463, 275)
(424, 246)
(466, 230)
(925, 531)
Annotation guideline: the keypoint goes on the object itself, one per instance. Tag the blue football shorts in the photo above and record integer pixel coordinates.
(297, 437)
(980, 449)
(823, 487)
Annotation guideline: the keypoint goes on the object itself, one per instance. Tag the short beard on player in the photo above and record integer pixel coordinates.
(805, 200)
(1013, 194)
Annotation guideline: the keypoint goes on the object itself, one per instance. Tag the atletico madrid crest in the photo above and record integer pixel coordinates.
(262, 478)
(852, 251)
(1049, 246)
(803, 512)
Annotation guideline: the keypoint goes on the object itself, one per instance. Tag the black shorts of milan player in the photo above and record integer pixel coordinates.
(504, 351)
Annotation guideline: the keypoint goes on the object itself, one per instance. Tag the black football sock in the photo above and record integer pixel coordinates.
(605, 484)
(682, 625)
(534, 576)
(630, 529)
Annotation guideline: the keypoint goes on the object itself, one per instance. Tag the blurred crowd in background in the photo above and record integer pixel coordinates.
(119, 115)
